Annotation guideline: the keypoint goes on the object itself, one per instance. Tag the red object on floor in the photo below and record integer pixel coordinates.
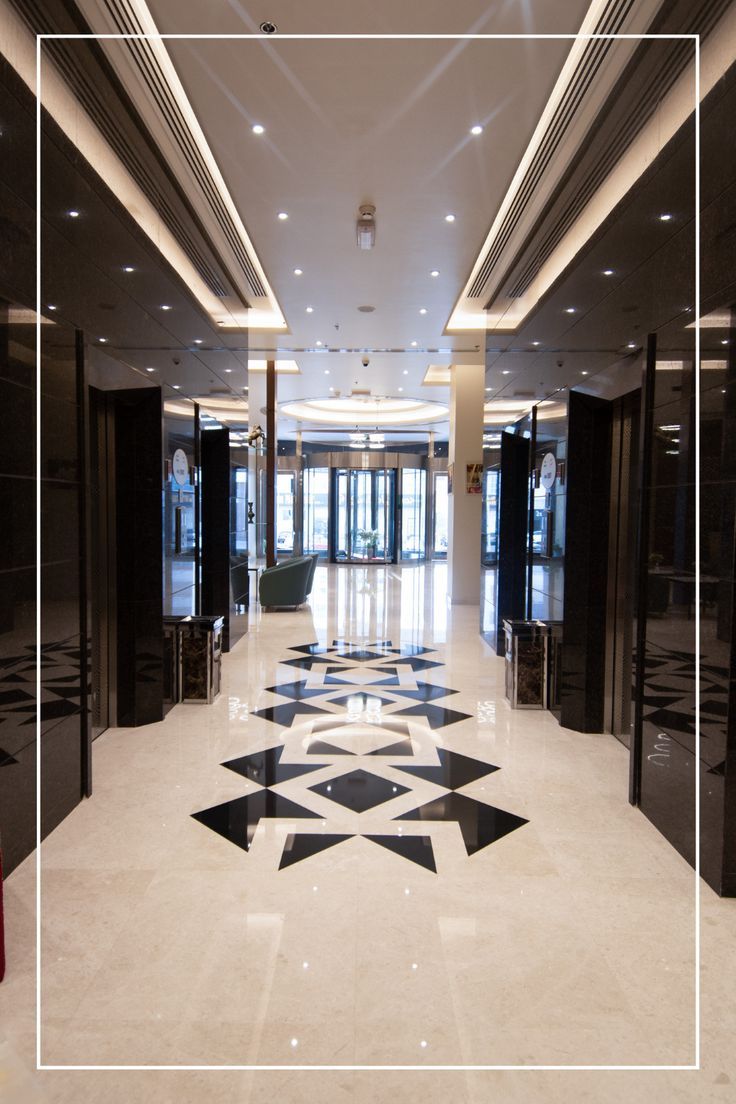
(2, 925)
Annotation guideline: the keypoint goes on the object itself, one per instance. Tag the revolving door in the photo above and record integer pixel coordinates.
(364, 515)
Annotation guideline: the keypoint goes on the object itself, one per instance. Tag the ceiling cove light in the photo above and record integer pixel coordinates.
(477, 129)
(366, 226)
(282, 215)
(257, 128)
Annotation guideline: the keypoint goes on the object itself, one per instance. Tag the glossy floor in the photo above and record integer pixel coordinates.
(361, 856)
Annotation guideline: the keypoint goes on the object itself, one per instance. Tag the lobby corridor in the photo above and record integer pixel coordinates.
(359, 855)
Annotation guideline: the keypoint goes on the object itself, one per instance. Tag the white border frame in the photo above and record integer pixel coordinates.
(423, 1068)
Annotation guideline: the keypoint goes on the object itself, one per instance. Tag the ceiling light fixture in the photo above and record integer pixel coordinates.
(536, 343)
(477, 129)
(406, 371)
(413, 344)
(228, 370)
(608, 272)
(327, 371)
(506, 372)
(665, 217)
(282, 215)
(422, 310)
(309, 310)
(128, 268)
(401, 389)
(197, 341)
(51, 306)
(725, 341)
(150, 369)
(176, 386)
(435, 272)
(298, 272)
(267, 27)
(165, 306)
(366, 226)
(73, 214)
(258, 129)
(318, 344)
(449, 218)
(631, 345)
(570, 310)
(102, 340)
(584, 372)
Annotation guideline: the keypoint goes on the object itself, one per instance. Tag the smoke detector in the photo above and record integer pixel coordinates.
(366, 226)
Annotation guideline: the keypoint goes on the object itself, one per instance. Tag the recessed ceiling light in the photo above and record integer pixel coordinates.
(608, 272)
(51, 306)
(435, 272)
(584, 372)
(489, 388)
(631, 345)
(102, 340)
(197, 341)
(413, 344)
(477, 129)
(309, 310)
(401, 389)
(258, 129)
(570, 310)
(228, 370)
(73, 214)
(406, 371)
(422, 310)
(327, 371)
(165, 306)
(332, 389)
(150, 369)
(535, 343)
(725, 341)
(318, 344)
(176, 386)
(506, 372)
(449, 218)
(282, 215)
(665, 217)
(298, 272)
(128, 268)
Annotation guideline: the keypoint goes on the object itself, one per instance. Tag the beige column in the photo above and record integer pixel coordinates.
(467, 393)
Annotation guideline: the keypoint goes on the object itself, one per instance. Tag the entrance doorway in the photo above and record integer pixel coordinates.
(364, 518)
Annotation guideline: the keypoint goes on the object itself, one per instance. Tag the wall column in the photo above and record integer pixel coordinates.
(467, 393)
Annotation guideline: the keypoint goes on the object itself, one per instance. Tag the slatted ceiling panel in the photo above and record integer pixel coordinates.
(587, 69)
(150, 71)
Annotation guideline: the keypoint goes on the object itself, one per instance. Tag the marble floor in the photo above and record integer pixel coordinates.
(360, 856)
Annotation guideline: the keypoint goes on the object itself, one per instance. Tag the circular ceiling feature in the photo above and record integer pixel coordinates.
(357, 410)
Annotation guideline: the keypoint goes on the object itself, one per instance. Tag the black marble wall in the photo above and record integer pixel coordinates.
(224, 562)
(583, 677)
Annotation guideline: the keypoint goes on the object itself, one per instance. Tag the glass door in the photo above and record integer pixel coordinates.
(316, 511)
(491, 478)
(364, 515)
(441, 504)
(413, 513)
(285, 512)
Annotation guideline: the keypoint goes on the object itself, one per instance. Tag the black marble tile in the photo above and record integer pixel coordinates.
(426, 691)
(266, 767)
(321, 747)
(311, 649)
(454, 771)
(6, 759)
(418, 664)
(410, 650)
(296, 690)
(359, 790)
(418, 849)
(237, 820)
(480, 824)
(342, 643)
(302, 845)
(306, 663)
(361, 700)
(331, 680)
(284, 715)
(360, 655)
(435, 715)
(401, 747)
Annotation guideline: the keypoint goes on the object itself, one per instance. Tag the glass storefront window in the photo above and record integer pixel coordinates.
(413, 513)
(441, 507)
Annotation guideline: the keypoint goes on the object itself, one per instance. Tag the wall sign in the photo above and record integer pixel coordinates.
(180, 467)
(474, 479)
(548, 472)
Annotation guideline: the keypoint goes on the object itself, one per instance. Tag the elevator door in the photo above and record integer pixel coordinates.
(364, 522)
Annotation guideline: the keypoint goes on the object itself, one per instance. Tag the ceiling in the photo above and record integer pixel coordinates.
(387, 122)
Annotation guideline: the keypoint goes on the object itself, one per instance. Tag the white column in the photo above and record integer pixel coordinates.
(467, 393)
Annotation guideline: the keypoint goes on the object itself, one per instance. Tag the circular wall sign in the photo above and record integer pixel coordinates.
(548, 472)
(180, 467)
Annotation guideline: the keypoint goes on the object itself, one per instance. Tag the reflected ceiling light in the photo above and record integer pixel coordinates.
(282, 215)
(73, 214)
(449, 218)
(477, 129)
(309, 310)
(258, 129)
(365, 227)
(665, 217)
(435, 272)
(298, 272)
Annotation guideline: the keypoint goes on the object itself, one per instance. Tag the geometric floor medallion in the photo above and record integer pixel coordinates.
(354, 697)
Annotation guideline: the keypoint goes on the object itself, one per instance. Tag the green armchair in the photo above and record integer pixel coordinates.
(287, 583)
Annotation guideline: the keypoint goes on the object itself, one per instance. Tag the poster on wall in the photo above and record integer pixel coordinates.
(474, 479)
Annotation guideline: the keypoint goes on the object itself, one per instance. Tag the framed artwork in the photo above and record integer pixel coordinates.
(474, 479)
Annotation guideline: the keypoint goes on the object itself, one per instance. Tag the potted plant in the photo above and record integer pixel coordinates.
(369, 537)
